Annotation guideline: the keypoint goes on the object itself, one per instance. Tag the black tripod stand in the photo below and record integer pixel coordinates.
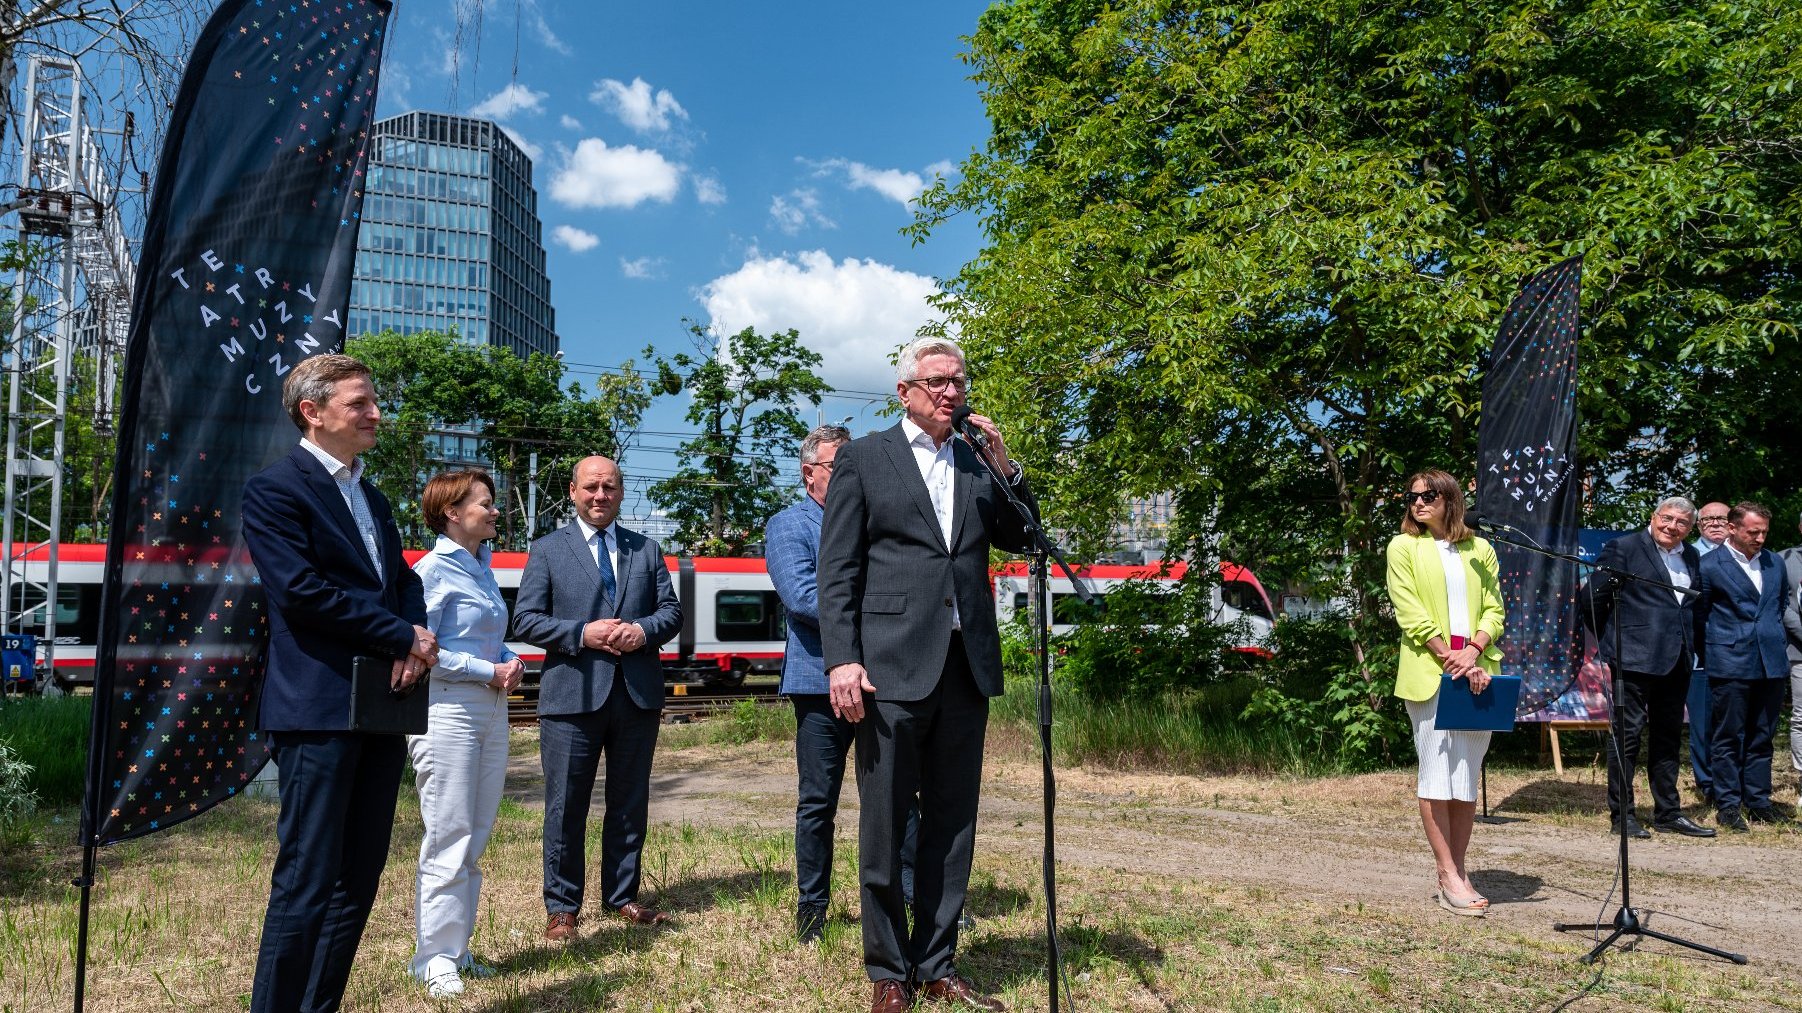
(1627, 921)
(1043, 554)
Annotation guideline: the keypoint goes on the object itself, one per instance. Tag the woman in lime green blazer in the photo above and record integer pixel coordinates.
(1447, 594)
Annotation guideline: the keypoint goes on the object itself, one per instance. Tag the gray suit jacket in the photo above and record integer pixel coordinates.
(887, 578)
(560, 592)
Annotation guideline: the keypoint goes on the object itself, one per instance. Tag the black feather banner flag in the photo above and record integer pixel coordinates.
(245, 270)
(1527, 475)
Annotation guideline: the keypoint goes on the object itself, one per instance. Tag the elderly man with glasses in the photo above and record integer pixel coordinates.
(1655, 626)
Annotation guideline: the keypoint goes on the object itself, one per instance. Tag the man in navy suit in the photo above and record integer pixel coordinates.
(1656, 630)
(329, 558)
(1740, 639)
(598, 598)
(912, 656)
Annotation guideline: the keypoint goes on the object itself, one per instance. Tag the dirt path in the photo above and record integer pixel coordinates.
(1344, 839)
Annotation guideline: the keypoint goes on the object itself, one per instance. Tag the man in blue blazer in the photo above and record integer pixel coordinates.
(1740, 641)
(329, 558)
(598, 598)
(1656, 629)
(791, 549)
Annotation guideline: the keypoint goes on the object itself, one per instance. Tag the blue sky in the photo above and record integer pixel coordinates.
(734, 164)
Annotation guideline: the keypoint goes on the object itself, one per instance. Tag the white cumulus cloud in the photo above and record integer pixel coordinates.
(570, 122)
(709, 189)
(797, 210)
(597, 176)
(641, 268)
(575, 240)
(855, 313)
(638, 105)
(514, 98)
(895, 184)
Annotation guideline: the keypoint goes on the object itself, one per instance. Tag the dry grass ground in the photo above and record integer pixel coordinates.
(1176, 893)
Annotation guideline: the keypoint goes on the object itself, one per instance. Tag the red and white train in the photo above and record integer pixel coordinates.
(732, 620)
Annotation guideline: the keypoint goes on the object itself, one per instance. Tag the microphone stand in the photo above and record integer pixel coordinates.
(1043, 552)
(1627, 921)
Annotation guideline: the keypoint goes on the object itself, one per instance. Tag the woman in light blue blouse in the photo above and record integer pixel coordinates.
(461, 760)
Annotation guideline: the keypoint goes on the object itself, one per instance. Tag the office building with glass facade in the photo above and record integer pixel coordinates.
(450, 238)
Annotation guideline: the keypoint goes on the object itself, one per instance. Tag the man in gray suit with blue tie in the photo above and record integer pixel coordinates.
(598, 598)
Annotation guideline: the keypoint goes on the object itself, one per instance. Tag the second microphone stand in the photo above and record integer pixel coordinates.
(1627, 921)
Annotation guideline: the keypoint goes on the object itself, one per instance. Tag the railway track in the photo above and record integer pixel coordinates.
(681, 702)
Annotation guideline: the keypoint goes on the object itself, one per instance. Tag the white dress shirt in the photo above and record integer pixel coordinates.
(612, 536)
(1675, 571)
(1749, 567)
(939, 471)
(348, 477)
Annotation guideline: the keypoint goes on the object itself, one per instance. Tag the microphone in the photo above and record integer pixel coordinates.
(960, 421)
(1475, 519)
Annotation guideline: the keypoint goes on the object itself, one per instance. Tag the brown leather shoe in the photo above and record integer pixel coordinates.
(638, 914)
(955, 988)
(890, 996)
(561, 927)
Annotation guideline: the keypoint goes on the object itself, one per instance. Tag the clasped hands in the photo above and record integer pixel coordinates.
(507, 675)
(419, 660)
(1466, 663)
(615, 636)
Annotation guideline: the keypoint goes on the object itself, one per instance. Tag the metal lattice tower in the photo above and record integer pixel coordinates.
(74, 293)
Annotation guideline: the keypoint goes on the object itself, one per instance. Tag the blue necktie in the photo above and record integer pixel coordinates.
(601, 560)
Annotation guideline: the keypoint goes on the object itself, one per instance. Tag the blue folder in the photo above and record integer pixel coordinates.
(1492, 710)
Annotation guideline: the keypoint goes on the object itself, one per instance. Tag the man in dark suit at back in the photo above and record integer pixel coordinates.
(1656, 629)
(913, 655)
(1739, 632)
(329, 558)
(598, 598)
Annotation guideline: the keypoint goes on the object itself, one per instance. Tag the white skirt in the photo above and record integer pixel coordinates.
(1450, 762)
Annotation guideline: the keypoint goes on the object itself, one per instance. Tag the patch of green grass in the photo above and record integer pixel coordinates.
(1193, 732)
(51, 734)
(744, 722)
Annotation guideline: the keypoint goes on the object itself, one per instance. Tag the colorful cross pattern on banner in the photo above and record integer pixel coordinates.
(245, 271)
(1526, 479)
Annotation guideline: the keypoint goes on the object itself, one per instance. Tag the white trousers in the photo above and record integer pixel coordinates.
(460, 764)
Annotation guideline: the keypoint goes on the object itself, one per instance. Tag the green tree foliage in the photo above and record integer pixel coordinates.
(1255, 253)
(744, 392)
(428, 381)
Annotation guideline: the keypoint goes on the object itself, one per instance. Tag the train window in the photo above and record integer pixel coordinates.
(748, 615)
(1066, 608)
(1244, 596)
(68, 607)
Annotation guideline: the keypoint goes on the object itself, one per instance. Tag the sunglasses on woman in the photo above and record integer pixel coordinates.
(1429, 497)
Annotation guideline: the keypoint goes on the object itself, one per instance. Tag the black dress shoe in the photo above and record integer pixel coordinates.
(1634, 830)
(1683, 825)
(810, 923)
(1767, 815)
(1730, 819)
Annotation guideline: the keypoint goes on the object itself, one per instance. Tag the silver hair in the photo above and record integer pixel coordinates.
(1680, 503)
(907, 367)
(827, 435)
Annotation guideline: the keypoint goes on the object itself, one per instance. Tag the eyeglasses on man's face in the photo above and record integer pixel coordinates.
(1427, 496)
(1722, 519)
(938, 384)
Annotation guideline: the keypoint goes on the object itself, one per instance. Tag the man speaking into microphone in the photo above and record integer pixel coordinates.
(913, 655)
